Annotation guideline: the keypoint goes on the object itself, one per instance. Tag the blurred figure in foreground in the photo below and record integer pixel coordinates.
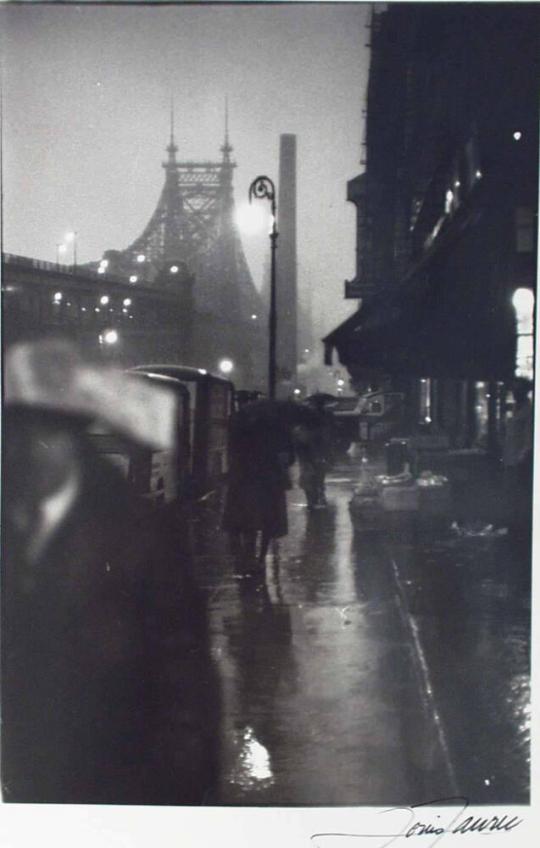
(108, 691)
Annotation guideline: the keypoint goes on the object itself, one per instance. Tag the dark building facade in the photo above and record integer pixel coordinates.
(447, 214)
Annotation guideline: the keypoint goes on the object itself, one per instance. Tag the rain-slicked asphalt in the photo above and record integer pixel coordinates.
(341, 687)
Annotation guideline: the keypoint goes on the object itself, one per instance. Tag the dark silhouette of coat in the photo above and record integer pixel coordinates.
(257, 480)
(108, 690)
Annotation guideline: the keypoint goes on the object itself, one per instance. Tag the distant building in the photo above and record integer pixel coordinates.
(109, 318)
(447, 214)
(286, 265)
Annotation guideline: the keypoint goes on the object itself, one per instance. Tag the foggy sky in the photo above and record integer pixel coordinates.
(86, 102)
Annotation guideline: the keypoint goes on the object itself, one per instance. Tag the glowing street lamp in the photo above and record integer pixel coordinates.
(226, 366)
(251, 219)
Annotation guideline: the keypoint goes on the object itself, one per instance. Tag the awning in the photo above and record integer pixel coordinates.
(429, 331)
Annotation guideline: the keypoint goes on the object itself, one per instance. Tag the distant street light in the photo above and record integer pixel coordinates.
(226, 366)
(263, 187)
(110, 337)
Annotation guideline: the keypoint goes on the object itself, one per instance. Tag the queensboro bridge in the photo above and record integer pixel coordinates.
(191, 246)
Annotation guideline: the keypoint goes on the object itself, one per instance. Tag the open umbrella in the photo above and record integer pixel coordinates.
(279, 414)
(321, 399)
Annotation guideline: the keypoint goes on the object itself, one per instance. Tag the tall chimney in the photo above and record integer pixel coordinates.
(286, 283)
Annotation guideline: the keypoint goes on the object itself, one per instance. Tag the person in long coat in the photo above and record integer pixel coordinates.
(256, 502)
(109, 695)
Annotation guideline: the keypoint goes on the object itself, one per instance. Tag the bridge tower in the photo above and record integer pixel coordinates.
(191, 246)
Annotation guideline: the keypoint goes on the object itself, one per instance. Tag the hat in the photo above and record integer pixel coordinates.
(51, 376)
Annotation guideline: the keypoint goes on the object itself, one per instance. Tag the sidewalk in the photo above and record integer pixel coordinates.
(321, 701)
(370, 668)
(467, 601)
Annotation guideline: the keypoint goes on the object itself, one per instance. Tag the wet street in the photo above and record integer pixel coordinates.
(353, 673)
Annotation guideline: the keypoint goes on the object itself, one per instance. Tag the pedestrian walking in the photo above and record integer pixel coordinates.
(108, 690)
(313, 445)
(255, 504)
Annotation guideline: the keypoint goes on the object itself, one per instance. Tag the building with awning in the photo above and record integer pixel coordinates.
(447, 216)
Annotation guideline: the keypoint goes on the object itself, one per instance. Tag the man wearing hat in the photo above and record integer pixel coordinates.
(108, 690)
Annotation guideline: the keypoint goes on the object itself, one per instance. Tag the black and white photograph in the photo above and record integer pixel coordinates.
(268, 292)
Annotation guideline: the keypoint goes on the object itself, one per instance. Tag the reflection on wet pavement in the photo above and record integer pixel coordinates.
(312, 664)
(322, 698)
(472, 611)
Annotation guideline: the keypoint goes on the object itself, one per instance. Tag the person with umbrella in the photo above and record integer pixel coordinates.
(261, 451)
(313, 443)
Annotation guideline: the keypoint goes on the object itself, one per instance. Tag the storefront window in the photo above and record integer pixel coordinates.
(481, 409)
(523, 301)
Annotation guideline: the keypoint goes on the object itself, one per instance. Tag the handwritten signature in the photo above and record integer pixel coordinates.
(459, 823)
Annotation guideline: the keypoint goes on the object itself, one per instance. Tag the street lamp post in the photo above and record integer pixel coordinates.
(263, 187)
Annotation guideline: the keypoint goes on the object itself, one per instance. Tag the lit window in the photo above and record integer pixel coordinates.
(482, 410)
(523, 302)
